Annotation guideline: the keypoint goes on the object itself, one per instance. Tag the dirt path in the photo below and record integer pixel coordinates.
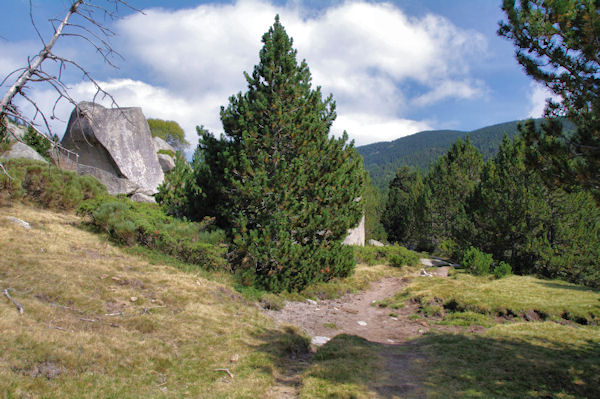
(355, 314)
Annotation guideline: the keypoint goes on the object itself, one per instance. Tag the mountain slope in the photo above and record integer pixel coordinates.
(421, 149)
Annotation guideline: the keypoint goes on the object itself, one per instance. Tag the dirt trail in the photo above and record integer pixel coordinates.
(355, 314)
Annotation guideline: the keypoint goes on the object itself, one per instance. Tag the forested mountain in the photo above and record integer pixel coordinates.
(421, 149)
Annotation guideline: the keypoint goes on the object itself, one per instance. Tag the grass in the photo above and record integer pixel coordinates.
(515, 360)
(100, 322)
(512, 295)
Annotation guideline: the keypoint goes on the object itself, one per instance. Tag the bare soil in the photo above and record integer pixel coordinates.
(356, 314)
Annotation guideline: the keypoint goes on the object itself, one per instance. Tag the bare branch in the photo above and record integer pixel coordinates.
(17, 304)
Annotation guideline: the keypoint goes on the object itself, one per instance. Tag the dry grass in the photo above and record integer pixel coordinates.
(101, 323)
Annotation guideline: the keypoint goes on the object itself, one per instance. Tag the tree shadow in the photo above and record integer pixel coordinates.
(460, 365)
(437, 364)
(551, 284)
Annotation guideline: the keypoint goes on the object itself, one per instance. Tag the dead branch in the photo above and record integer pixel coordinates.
(17, 304)
(227, 371)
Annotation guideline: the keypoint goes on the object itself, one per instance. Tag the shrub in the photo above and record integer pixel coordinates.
(39, 143)
(477, 262)
(394, 255)
(502, 269)
(130, 223)
(46, 185)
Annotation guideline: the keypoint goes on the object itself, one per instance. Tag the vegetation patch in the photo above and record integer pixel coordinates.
(129, 223)
(515, 296)
(516, 360)
(46, 185)
(393, 255)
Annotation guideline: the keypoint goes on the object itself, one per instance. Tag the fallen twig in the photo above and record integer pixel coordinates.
(17, 304)
(114, 314)
(227, 371)
(90, 320)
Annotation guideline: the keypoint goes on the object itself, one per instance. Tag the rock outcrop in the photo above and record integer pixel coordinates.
(21, 150)
(166, 161)
(115, 146)
(356, 236)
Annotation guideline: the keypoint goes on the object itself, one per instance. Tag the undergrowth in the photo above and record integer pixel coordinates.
(46, 185)
(393, 255)
(132, 223)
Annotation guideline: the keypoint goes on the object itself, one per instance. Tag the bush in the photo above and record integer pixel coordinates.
(39, 143)
(477, 262)
(46, 185)
(130, 223)
(394, 255)
(502, 269)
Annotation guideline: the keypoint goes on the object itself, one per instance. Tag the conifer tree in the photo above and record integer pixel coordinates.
(288, 192)
(403, 214)
(448, 184)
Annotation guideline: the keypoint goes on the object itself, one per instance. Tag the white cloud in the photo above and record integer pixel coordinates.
(538, 98)
(378, 62)
(371, 128)
(364, 53)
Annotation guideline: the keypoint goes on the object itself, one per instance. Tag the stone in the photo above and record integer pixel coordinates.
(117, 141)
(20, 222)
(362, 323)
(160, 144)
(356, 236)
(311, 302)
(140, 197)
(319, 340)
(20, 150)
(167, 163)
(375, 243)
(114, 185)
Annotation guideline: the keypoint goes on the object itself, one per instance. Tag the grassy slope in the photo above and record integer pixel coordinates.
(177, 327)
(168, 333)
(559, 359)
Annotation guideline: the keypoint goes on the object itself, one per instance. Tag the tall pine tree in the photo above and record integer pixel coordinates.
(288, 192)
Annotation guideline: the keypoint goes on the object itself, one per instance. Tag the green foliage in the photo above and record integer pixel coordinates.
(374, 207)
(395, 255)
(532, 227)
(282, 187)
(402, 216)
(477, 262)
(46, 185)
(557, 46)
(169, 131)
(39, 143)
(420, 150)
(177, 189)
(167, 152)
(502, 269)
(130, 223)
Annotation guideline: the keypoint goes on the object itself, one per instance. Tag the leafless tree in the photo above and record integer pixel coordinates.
(83, 20)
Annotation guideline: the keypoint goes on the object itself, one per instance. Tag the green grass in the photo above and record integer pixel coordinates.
(512, 295)
(516, 360)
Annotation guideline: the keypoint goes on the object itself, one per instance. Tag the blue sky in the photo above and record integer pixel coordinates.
(394, 68)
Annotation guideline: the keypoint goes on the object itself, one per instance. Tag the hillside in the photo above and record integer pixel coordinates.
(421, 149)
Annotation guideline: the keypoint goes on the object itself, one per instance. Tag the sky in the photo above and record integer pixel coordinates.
(394, 67)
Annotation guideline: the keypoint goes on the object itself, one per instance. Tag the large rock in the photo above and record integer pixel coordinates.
(356, 236)
(20, 150)
(114, 185)
(116, 141)
(166, 161)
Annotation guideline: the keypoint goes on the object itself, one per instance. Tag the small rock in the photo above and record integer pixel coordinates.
(421, 331)
(319, 340)
(133, 298)
(311, 302)
(362, 323)
(20, 222)
(391, 341)
(375, 243)
(394, 318)
(234, 358)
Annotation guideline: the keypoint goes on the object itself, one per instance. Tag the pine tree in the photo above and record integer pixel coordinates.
(401, 218)
(557, 44)
(288, 192)
(448, 184)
